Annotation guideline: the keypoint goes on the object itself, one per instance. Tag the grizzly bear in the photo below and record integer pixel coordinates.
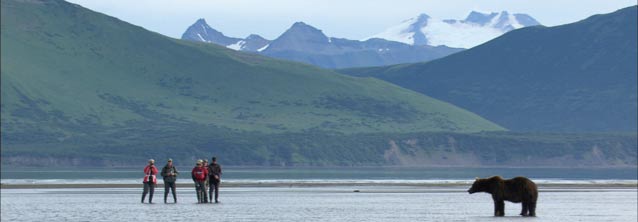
(517, 190)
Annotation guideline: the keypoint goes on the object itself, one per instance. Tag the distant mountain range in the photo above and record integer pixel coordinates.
(415, 40)
(579, 77)
(307, 44)
(476, 29)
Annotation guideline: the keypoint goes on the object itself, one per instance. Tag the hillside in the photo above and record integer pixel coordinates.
(579, 77)
(76, 79)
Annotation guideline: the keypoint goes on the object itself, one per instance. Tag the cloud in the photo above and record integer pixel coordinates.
(352, 19)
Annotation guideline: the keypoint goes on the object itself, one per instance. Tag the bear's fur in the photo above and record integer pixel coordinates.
(517, 190)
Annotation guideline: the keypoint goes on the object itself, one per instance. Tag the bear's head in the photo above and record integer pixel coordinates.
(483, 185)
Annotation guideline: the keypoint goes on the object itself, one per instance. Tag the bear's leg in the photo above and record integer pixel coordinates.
(532, 209)
(525, 208)
(499, 208)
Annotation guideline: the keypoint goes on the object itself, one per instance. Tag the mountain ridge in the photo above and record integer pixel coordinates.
(305, 43)
(563, 78)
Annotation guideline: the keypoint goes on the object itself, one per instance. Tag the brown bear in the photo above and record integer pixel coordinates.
(517, 190)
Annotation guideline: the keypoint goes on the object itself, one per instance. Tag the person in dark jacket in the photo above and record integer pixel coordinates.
(198, 174)
(169, 174)
(215, 175)
(150, 179)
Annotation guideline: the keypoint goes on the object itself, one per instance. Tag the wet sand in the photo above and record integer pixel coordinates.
(327, 203)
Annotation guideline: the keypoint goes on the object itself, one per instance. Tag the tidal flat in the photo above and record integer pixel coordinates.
(319, 203)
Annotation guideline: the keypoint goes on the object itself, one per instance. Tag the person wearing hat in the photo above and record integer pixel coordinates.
(215, 174)
(199, 174)
(169, 174)
(150, 179)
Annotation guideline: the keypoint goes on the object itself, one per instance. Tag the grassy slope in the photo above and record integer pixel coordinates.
(69, 70)
(81, 88)
(579, 77)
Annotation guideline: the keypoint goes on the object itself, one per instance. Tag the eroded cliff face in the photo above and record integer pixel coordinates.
(415, 152)
(35, 161)
(504, 149)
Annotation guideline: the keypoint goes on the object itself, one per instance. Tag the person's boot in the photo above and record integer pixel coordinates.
(150, 199)
(143, 197)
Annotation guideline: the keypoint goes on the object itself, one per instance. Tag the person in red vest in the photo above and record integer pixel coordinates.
(150, 179)
(199, 174)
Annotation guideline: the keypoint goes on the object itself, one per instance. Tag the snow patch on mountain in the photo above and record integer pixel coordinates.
(237, 46)
(476, 29)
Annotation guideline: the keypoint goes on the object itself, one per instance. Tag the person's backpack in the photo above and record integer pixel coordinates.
(150, 178)
(200, 174)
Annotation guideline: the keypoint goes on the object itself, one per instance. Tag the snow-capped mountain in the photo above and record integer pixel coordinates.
(474, 30)
(304, 43)
(200, 31)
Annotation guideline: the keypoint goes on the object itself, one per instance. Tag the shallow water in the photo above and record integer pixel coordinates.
(372, 203)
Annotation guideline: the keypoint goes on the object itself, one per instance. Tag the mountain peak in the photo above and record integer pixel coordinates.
(200, 31)
(422, 17)
(254, 37)
(300, 37)
(303, 26)
(480, 18)
(304, 30)
(201, 21)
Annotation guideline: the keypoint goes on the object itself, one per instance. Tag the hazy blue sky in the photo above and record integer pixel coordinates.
(353, 19)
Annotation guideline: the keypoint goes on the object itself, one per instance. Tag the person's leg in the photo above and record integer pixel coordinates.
(166, 186)
(204, 192)
(144, 192)
(173, 187)
(152, 190)
(198, 191)
(211, 188)
(217, 191)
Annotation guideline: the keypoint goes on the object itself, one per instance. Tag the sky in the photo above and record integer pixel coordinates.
(352, 19)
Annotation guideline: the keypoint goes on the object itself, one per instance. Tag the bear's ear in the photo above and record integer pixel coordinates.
(477, 178)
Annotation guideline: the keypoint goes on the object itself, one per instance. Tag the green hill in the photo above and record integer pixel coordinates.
(78, 80)
(579, 77)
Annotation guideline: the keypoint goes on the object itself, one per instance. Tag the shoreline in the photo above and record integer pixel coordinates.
(321, 184)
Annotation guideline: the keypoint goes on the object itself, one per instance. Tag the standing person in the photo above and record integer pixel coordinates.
(207, 182)
(199, 177)
(169, 173)
(215, 172)
(150, 179)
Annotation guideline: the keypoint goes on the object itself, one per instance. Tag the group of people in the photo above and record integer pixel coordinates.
(207, 177)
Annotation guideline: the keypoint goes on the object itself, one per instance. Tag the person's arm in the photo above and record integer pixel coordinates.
(193, 174)
(164, 173)
(154, 169)
(175, 170)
